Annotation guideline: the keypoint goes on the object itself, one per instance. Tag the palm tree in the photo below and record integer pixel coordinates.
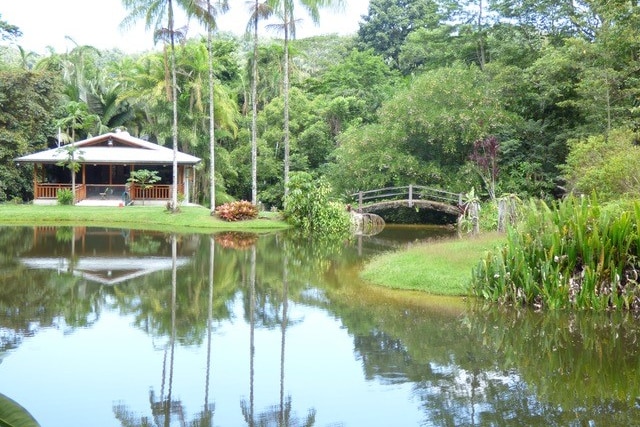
(205, 13)
(285, 10)
(154, 12)
(260, 10)
(72, 161)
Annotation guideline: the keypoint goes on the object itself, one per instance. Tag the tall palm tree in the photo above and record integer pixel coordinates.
(154, 13)
(285, 10)
(205, 12)
(259, 10)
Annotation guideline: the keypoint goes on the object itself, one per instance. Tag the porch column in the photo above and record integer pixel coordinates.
(186, 178)
(35, 180)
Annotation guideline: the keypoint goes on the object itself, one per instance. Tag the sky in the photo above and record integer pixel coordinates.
(97, 23)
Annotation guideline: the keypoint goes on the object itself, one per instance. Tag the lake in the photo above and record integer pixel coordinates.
(111, 327)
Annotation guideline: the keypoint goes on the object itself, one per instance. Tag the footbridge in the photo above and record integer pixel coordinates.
(413, 196)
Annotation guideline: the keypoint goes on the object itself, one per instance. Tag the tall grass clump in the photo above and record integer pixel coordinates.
(572, 254)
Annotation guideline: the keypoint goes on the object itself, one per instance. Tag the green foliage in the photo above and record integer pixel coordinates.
(359, 83)
(144, 178)
(572, 254)
(442, 112)
(72, 159)
(65, 196)
(609, 166)
(13, 414)
(389, 22)
(534, 74)
(27, 103)
(237, 211)
(309, 208)
(8, 31)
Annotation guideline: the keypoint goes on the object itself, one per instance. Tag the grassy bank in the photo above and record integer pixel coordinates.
(190, 219)
(439, 267)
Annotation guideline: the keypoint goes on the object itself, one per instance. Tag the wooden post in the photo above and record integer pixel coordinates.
(410, 195)
(36, 190)
(360, 201)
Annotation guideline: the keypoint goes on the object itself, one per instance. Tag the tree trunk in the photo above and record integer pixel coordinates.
(212, 137)
(286, 100)
(254, 117)
(174, 128)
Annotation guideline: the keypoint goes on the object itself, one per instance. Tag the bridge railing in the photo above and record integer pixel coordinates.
(409, 193)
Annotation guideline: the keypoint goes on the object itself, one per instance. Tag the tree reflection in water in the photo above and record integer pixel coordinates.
(279, 415)
(445, 362)
(163, 407)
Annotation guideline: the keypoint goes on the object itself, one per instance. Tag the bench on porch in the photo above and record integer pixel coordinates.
(107, 192)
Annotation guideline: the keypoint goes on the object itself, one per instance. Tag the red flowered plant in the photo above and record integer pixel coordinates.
(237, 211)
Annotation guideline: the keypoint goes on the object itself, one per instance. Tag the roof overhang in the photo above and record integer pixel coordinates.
(113, 148)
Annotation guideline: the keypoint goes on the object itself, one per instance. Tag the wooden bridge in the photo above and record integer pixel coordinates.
(417, 196)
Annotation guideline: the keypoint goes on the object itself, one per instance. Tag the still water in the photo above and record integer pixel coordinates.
(108, 327)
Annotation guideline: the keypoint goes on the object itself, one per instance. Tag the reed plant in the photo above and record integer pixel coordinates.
(570, 254)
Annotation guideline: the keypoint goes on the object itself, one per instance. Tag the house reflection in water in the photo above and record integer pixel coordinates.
(105, 255)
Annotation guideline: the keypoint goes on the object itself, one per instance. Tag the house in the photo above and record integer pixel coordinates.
(106, 163)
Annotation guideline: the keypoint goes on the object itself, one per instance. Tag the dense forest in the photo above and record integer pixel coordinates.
(535, 98)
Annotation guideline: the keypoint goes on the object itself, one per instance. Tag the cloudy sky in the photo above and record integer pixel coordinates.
(97, 23)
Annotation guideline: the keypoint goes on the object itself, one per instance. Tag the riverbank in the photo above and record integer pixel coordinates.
(438, 267)
(190, 219)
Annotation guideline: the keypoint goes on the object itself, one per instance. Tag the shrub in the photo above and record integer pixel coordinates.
(237, 211)
(309, 209)
(572, 254)
(65, 196)
(606, 164)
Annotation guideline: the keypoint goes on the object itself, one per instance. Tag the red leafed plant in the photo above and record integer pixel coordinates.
(237, 211)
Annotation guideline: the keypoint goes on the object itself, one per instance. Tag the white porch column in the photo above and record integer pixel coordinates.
(186, 178)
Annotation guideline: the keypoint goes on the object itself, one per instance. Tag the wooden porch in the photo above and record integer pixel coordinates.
(107, 195)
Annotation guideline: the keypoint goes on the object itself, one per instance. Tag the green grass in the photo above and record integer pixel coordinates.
(190, 219)
(439, 268)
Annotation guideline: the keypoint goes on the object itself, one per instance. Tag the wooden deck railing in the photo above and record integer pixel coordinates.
(50, 191)
(155, 192)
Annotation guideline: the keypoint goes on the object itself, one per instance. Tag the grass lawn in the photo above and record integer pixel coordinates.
(439, 268)
(190, 219)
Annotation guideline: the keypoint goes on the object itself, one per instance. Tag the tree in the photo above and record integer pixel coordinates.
(73, 162)
(144, 178)
(308, 207)
(27, 104)
(485, 157)
(154, 12)
(207, 15)
(77, 119)
(260, 10)
(284, 9)
(440, 115)
(604, 164)
(389, 22)
(362, 79)
(8, 31)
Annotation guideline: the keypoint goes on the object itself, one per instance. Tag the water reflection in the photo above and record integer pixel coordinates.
(280, 332)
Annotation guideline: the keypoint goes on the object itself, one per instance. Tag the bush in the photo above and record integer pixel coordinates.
(572, 254)
(65, 196)
(237, 211)
(606, 164)
(309, 209)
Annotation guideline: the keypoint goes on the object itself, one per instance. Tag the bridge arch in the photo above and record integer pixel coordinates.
(412, 196)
